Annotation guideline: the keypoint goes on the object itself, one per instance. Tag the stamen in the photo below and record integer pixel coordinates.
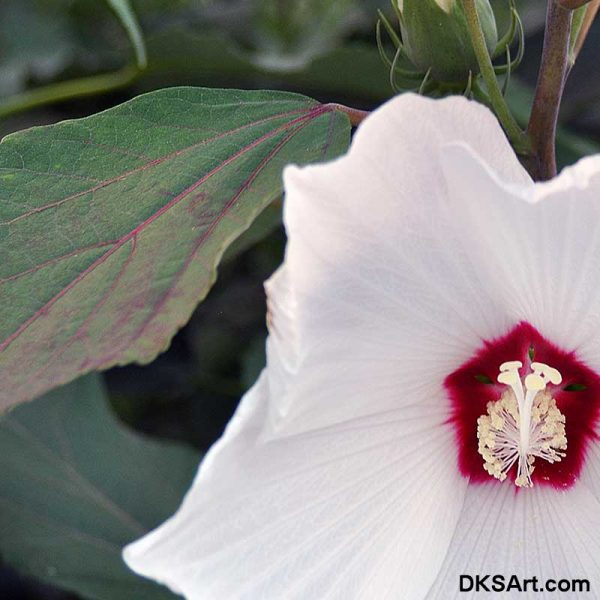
(520, 427)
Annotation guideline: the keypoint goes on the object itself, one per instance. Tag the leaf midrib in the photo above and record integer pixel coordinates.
(148, 165)
(313, 112)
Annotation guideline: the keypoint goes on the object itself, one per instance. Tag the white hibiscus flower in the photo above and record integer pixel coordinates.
(430, 403)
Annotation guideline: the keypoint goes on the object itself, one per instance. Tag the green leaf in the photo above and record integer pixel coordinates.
(266, 223)
(111, 227)
(355, 71)
(36, 42)
(253, 361)
(570, 146)
(77, 486)
(125, 13)
(291, 34)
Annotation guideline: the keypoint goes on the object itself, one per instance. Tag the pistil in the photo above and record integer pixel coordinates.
(522, 424)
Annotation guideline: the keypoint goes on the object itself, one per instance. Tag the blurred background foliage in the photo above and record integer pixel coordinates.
(323, 48)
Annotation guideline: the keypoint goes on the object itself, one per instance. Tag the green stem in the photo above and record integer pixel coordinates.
(549, 90)
(65, 90)
(513, 131)
(578, 38)
(576, 25)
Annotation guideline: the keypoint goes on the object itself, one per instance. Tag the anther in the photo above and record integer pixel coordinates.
(520, 427)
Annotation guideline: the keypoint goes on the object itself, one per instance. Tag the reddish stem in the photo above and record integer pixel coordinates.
(549, 90)
(355, 115)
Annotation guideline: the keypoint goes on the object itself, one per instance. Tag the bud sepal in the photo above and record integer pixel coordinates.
(436, 38)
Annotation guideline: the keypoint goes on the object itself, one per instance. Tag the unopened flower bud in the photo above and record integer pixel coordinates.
(436, 36)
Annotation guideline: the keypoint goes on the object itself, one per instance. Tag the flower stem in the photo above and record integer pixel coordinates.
(65, 90)
(549, 90)
(513, 131)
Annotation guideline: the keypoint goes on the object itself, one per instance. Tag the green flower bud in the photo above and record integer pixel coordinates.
(436, 36)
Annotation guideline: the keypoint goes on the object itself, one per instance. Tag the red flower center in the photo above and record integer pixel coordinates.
(475, 384)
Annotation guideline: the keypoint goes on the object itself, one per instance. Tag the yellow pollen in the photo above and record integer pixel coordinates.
(520, 427)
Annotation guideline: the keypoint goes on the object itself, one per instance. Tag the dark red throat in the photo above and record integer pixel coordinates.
(474, 384)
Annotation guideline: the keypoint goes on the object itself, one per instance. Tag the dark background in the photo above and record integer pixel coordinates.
(324, 49)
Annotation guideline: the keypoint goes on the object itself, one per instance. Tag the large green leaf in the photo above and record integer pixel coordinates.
(111, 227)
(77, 486)
(290, 34)
(176, 54)
(36, 41)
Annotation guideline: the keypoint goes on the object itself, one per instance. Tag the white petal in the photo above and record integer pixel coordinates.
(536, 247)
(282, 343)
(590, 474)
(539, 532)
(357, 510)
(385, 298)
